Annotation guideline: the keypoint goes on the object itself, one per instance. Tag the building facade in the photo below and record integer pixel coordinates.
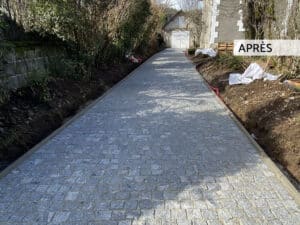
(180, 32)
(222, 22)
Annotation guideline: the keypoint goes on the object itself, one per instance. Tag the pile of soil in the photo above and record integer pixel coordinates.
(268, 109)
(25, 120)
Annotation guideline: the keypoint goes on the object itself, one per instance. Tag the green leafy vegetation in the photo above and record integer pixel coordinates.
(91, 33)
(67, 68)
(233, 62)
(4, 94)
(191, 51)
(38, 83)
(104, 30)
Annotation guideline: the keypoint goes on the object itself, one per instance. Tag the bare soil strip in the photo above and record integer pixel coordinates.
(268, 110)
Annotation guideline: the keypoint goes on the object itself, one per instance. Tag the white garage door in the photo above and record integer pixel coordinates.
(180, 39)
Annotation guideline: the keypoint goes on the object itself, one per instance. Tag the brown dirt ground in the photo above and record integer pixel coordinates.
(268, 109)
(25, 120)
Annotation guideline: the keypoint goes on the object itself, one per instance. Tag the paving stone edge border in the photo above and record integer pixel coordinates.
(22, 158)
(267, 160)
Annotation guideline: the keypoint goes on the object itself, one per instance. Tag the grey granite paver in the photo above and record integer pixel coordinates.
(158, 149)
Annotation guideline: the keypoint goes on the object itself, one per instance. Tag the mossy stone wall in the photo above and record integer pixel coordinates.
(20, 59)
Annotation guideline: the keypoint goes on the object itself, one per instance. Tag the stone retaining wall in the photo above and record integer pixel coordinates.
(20, 61)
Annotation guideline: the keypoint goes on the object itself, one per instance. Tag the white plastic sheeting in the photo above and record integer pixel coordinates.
(237, 78)
(206, 51)
(268, 76)
(253, 72)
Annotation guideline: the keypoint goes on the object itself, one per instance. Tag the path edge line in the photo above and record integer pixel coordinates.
(266, 159)
(80, 113)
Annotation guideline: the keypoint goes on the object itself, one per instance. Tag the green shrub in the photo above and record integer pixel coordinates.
(233, 62)
(67, 68)
(38, 81)
(104, 30)
(191, 51)
(111, 54)
(5, 48)
(4, 94)
(89, 24)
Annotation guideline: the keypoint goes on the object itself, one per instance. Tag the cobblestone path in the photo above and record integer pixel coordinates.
(158, 149)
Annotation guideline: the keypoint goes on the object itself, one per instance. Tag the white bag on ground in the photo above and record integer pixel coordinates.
(253, 72)
(268, 76)
(206, 51)
(237, 78)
